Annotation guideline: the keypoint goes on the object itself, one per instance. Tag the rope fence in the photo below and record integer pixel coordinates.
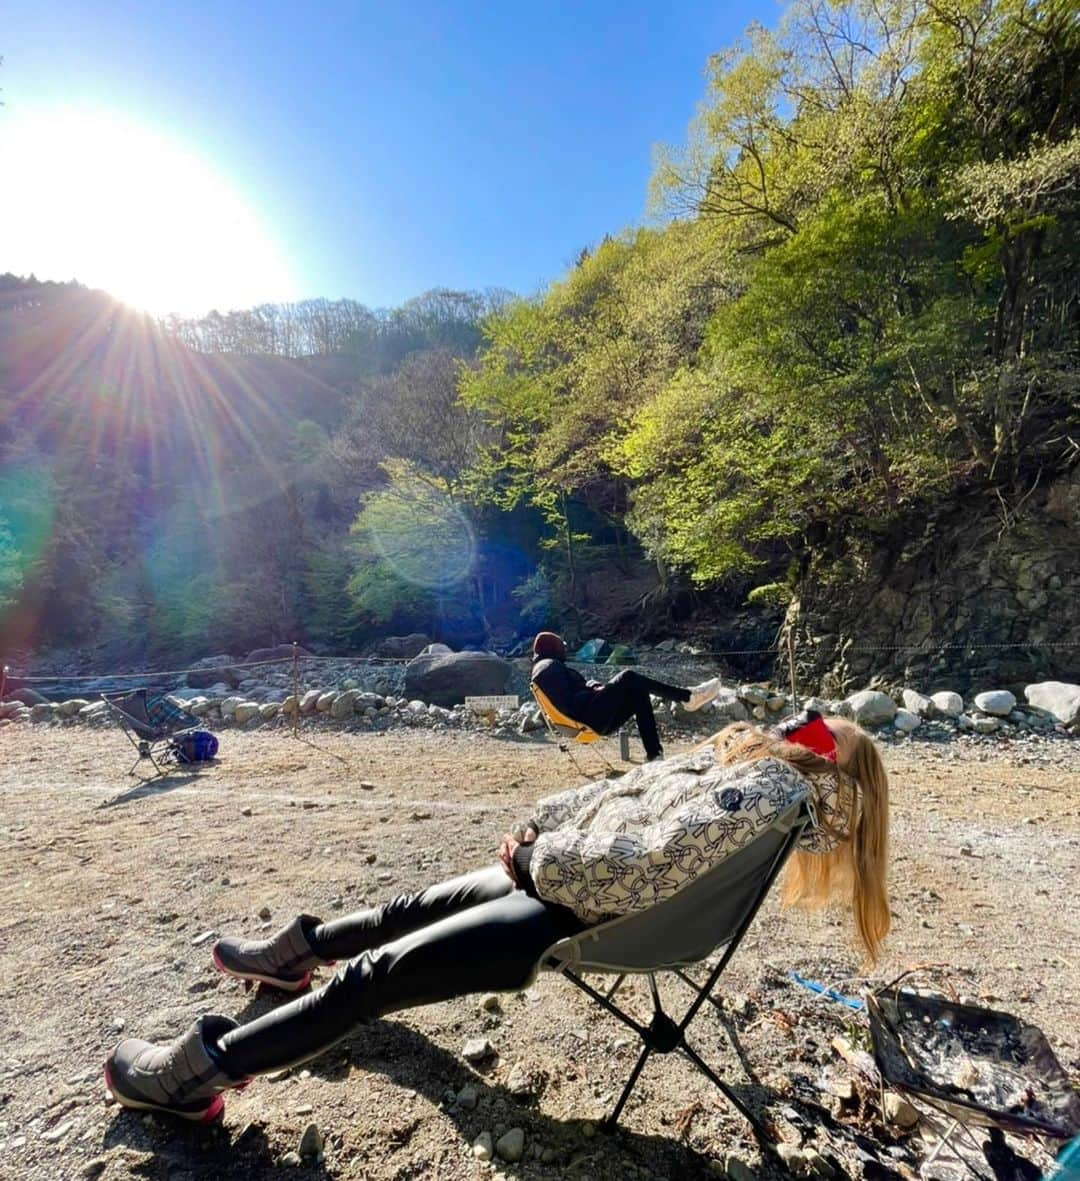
(6, 673)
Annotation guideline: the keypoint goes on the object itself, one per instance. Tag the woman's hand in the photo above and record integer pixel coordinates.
(506, 856)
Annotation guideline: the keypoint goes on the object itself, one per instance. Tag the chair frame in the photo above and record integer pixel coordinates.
(566, 730)
(151, 742)
(665, 1034)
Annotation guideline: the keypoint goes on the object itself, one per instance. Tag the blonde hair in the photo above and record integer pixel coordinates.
(859, 825)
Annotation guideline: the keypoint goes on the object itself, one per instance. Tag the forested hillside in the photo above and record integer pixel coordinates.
(836, 376)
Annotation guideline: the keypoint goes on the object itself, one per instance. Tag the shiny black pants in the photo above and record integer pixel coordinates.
(474, 933)
(626, 696)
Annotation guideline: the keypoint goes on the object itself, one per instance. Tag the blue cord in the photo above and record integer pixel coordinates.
(829, 993)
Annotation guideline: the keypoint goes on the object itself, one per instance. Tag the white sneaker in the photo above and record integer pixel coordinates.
(702, 694)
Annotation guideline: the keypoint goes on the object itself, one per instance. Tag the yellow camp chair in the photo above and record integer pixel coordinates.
(566, 730)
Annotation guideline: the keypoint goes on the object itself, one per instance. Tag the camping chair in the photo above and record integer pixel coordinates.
(152, 722)
(714, 910)
(566, 730)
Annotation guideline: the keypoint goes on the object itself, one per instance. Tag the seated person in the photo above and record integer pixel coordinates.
(606, 707)
(603, 849)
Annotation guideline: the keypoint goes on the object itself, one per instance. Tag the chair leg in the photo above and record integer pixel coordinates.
(760, 1132)
(612, 1120)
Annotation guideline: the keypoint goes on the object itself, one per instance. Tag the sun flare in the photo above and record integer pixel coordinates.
(96, 197)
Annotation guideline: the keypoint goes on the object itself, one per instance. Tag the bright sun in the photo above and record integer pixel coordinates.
(95, 197)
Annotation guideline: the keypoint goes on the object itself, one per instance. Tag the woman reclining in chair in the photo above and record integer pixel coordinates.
(594, 852)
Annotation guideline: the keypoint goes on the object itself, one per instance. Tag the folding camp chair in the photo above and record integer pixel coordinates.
(152, 723)
(566, 730)
(714, 910)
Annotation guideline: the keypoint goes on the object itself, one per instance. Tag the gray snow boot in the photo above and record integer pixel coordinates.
(284, 961)
(178, 1079)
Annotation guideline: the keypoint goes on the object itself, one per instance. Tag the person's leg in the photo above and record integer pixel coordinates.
(626, 696)
(286, 960)
(491, 947)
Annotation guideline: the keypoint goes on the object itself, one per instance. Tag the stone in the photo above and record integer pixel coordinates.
(59, 1132)
(899, 1111)
(292, 1160)
(265, 913)
(245, 711)
(447, 678)
(309, 701)
(905, 721)
(738, 1170)
(726, 707)
(1056, 697)
(27, 696)
(511, 1145)
(982, 724)
(468, 1097)
(998, 702)
(228, 706)
(68, 709)
(41, 713)
(869, 707)
(520, 1082)
(96, 709)
(311, 1142)
(279, 652)
(754, 694)
(917, 703)
(477, 1049)
(269, 710)
(950, 704)
(213, 670)
(400, 647)
(324, 702)
(490, 1002)
(344, 705)
(482, 1148)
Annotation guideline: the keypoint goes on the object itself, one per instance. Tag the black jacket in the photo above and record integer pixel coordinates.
(565, 688)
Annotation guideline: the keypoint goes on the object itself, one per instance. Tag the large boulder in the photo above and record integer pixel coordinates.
(948, 703)
(872, 708)
(27, 696)
(1056, 697)
(400, 647)
(213, 670)
(725, 707)
(918, 703)
(999, 702)
(447, 678)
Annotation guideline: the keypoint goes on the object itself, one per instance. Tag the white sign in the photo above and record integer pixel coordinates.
(482, 705)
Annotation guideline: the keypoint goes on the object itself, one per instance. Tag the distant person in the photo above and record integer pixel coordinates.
(606, 707)
(598, 850)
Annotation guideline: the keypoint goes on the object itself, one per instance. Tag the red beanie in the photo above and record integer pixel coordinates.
(549, 646)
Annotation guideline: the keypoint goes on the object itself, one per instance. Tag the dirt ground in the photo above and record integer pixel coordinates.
(109, 888)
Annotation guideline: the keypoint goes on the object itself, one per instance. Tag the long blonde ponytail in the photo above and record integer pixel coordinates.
(859, 859)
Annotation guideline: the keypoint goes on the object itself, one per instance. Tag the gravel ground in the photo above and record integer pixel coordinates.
(109, 889)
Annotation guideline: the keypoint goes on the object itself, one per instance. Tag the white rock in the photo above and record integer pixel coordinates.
(917, 703)
(482, 1147)
(983, 724)
(754, 694)
(948, 703)
(906, 721)
(228, 706)
(95, 709)
(344, 705)
(309, 701)
(1058, 698)
(998, 702)
(476, 1049)
(245, 711)
(871, 708)
(899, 1111)
(269, 710)
(68, 709)
(325, 701)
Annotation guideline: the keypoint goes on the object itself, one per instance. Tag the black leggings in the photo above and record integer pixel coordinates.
(474, 933)
(626, 696)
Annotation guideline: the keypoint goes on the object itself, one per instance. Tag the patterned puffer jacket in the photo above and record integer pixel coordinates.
(622, 845)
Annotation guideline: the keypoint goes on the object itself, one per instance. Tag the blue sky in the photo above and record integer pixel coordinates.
(389, 148)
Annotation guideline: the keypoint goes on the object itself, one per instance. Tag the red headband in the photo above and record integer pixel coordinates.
(809, 730)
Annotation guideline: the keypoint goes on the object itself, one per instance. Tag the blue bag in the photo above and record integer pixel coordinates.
(195, 746)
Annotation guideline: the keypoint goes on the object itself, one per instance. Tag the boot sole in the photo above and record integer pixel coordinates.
(210, 1114)
(273, 981)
